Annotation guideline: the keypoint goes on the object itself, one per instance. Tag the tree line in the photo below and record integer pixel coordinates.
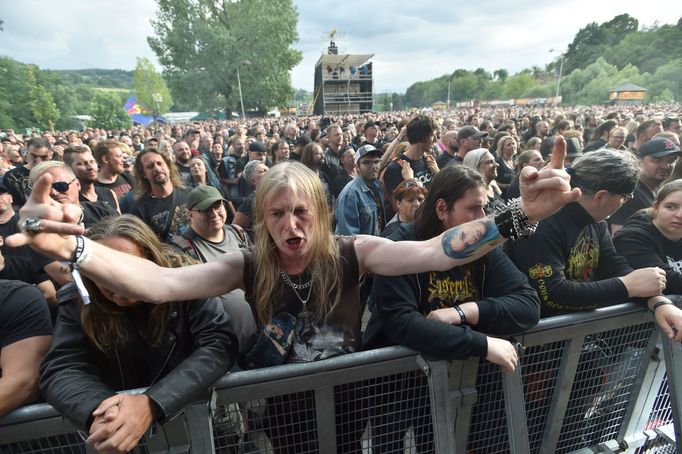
(600, 57)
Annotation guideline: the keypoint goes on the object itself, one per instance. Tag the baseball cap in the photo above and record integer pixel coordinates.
(365, 150)
(658, 148)
(257, 146)
(202, 197)
(471, 131)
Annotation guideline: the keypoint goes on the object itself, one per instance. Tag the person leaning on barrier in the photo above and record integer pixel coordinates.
(652, 238)
(571, 261)
(25, 334)
(115, 343)
(297, 268)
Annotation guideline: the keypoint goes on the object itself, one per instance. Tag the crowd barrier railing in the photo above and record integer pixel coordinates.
(603, 381)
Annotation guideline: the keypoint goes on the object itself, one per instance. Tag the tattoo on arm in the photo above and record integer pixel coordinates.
(465, 240)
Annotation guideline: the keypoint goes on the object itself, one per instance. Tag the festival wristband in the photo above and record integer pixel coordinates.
(660, 303)
(462, 315)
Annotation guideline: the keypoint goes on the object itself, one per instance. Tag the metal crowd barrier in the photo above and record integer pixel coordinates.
(593, 382)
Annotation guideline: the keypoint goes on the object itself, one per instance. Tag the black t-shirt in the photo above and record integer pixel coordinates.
(155, 211)
(642, 198)
(120, 186)
(22, 263)
(23, 313)
(393, 175)
(504, 172)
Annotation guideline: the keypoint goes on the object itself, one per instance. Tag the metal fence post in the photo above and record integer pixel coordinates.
(562, 391)
(463, 394)
(325, 411)
(647, 383)
(441, 408)
(672, 352)
(200, 427)
(514, 407)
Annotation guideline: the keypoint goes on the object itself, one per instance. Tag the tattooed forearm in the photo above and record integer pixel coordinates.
(467, 239)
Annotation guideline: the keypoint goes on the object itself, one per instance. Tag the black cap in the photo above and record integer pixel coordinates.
(658, 148)
(471, 131)
(257, 146)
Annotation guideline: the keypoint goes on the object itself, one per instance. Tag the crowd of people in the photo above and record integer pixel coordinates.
(165, 256)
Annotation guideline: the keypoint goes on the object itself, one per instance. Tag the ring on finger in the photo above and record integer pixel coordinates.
(32, 225)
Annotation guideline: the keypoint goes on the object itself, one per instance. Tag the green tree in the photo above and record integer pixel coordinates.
(43, 107)
(106, 111)
(150, 88)
(515, 86)
(203, 45)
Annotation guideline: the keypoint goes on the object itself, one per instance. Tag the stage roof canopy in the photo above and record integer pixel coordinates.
(344, 59)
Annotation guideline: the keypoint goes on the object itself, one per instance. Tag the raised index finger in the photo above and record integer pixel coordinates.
(40, 192)
(558, 153)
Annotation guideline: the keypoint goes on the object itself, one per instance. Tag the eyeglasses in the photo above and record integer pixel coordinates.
(624, 197)
(369, 163)
(62, 186)
(218, 206)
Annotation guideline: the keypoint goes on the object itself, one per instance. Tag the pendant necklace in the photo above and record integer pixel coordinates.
(296, 287)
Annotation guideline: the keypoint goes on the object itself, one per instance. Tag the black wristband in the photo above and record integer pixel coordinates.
(462, 315)
(661, 303)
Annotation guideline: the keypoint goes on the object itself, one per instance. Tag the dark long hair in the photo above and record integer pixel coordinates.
(450, 184)
(102, 319)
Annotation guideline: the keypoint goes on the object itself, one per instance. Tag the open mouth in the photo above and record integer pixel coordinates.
(294, 241)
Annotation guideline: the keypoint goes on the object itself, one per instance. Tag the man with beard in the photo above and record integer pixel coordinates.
(449, 155)
(162, 199)
(183, 154)
(112, 174)
(84, 167)
(360, 206)
(657, 159)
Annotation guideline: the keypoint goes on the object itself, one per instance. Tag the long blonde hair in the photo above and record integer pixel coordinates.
(102, 320)
(325, 261)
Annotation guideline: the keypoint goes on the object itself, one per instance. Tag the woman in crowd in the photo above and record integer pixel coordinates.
(409, 196)
(530, 157)
(652, 237)
(298, 272)
(506, 150)
(114, 343)
(484, 162)
(347, 172)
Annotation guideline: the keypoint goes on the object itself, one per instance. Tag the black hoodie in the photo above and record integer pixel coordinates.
(643, 245)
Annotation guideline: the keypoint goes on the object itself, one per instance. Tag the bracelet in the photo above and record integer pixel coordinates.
(513, 223)
(462, 315)
(661, 303)
(81, 255)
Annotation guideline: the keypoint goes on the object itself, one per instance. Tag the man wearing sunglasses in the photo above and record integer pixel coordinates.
(66, 189)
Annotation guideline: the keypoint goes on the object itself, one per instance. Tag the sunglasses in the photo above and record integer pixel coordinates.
(410, 184)
(62, 186)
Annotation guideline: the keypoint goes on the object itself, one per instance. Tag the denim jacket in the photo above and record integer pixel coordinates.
(356, 210)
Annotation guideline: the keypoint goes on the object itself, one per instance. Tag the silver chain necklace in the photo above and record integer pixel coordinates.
(296, 287)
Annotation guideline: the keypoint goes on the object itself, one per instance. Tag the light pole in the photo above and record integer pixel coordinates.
(239, 85)
(558, 81)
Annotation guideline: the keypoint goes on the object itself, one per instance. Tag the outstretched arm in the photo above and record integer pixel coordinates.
(542, 193)
(123, 273)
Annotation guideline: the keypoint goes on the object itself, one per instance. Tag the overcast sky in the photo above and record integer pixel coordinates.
(411, 40)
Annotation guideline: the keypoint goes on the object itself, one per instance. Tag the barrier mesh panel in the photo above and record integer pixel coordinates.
(400, 416)
(389, 414)
(661, 415)
(603, 383)
(540, 365)
(72, 443)
(488, 427)
(279, 424)
(58, 444)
